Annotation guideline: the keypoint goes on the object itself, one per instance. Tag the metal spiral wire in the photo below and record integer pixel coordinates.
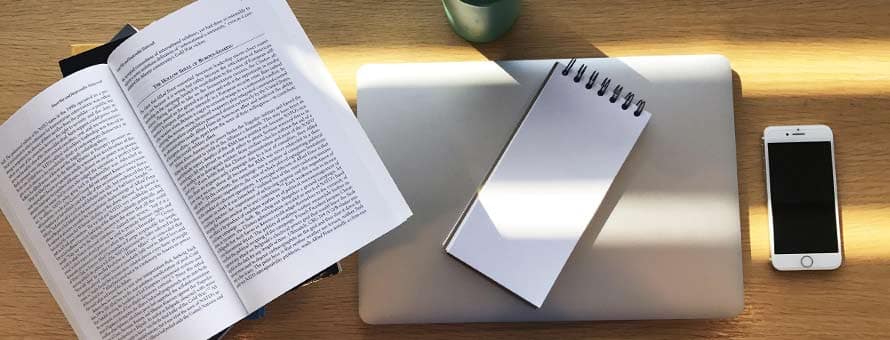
(604, 87)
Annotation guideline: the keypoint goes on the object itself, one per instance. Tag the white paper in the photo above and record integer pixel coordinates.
(550, 180)
(246, 186)
(90, 246)
(216, 139)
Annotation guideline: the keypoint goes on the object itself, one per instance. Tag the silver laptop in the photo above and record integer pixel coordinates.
(665, 244)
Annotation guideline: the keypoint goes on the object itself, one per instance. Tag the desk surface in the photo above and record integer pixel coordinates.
(798, 62)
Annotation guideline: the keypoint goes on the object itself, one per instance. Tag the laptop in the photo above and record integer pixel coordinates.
(665, 243)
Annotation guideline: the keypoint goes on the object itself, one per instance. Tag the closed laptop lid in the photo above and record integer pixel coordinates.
(664, 244)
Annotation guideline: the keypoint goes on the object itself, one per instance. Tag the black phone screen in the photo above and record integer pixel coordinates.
(801, 179)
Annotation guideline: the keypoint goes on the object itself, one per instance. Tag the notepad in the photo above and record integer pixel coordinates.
(524, 221)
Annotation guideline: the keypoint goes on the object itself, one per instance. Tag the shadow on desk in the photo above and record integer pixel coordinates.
(539, 26)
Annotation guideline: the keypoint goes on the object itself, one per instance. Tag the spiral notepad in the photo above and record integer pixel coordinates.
(523, 223)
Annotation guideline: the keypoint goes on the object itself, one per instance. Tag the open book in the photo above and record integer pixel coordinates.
(209, 167)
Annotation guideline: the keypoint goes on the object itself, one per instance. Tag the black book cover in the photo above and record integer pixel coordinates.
(95, 56)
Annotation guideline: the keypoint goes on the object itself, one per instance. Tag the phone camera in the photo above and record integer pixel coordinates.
(786, 133)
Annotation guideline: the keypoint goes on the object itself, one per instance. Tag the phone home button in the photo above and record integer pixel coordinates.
(806, 261)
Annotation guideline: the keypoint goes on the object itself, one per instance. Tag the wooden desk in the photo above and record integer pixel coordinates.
(796, 61)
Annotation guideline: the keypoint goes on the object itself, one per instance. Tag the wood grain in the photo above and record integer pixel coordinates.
(796, 62)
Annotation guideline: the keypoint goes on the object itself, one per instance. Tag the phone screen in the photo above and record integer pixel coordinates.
(801, 179)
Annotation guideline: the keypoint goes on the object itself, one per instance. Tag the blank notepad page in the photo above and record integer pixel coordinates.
(541, 194)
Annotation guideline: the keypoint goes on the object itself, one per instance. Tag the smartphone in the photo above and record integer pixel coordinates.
(801, 189)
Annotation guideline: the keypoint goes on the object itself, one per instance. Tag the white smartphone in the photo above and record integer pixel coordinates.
(801, 188)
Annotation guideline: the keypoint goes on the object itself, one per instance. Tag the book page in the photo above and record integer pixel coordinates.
(102, 220)
(264, 149)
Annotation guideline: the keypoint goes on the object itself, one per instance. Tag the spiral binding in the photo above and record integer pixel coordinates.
(604, 87)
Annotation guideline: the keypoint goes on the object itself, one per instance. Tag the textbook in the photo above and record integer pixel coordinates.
(210, 166)
(86, 55)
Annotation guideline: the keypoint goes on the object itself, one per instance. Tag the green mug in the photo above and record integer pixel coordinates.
(481, 20)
